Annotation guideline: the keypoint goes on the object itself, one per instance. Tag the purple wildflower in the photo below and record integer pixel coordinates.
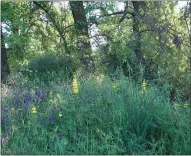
(2, 122)
(3, 110)
(51, 117)
(60, 135)
(27, 149)
(53, 109)
(37, 94)
(5, 140)
(17, 102)
(28, 96)
(27, 104)
(52, 143)
(37, 97)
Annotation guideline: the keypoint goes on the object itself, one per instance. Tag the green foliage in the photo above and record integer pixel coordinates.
(44, 64)
(110, 114)
(15, 28)
(28, 36)
(44, 68)
(98, 120)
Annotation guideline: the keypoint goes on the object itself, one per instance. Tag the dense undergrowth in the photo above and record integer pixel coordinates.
(107, 116)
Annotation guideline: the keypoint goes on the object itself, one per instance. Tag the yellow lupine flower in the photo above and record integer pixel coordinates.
(33, 110)
(144, 84)
(75, 85)
(60, 114)
(50, 94)
(114, 86)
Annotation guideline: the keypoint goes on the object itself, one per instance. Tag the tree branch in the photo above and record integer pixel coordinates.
(51, 17)
(125, 12)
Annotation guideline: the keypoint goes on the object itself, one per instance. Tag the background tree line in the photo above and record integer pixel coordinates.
(150, 40)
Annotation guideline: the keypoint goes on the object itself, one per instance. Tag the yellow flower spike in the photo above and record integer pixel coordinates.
(114, 86)
(75, 85)
(144, 84)
(50, 94)
(33, 110)
(60, 114)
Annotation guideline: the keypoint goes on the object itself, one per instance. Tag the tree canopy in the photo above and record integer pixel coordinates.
(101, 36)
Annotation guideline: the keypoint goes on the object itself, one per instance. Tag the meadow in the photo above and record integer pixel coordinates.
(92, 115)
(95, 77)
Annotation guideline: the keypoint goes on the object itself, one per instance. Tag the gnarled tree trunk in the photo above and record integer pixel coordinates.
(81, 26)
(136, 32)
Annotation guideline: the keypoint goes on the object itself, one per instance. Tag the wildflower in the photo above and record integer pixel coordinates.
(27, 104)
(5, 140)
(27, 149)
(75, 85)
(18, 102)
(37, 97)
(28, 96)
(37, 93)
(52, 144)
(53, 108)
(60, 135)
(60, 114)
(51, 117)
(34, 110)
(3, 122)
(144, 84)
(114, 86)
(50, 94)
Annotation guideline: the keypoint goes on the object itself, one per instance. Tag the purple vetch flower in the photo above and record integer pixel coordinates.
(28, 96)
(27, 149)
(51, 117)
(3, 110)
(27, 104)
(60, 135)
(18, 102)
(52, 143)
(37, 97)
(4, 115)
(53, 109)
(5, 140)
(2, 122)
(89, 97)
(108, 94)
(2, 119)
(37, 94)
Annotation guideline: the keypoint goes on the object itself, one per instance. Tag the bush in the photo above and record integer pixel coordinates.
(46, 67)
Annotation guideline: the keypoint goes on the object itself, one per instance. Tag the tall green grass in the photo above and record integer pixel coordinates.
(100, 119)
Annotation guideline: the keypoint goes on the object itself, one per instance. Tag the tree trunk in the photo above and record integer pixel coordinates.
(4, 60)
(136, 32)
(135, 65)
(81, 27)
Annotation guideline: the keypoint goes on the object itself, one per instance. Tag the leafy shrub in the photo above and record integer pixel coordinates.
(50, 63)
(45, 67)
